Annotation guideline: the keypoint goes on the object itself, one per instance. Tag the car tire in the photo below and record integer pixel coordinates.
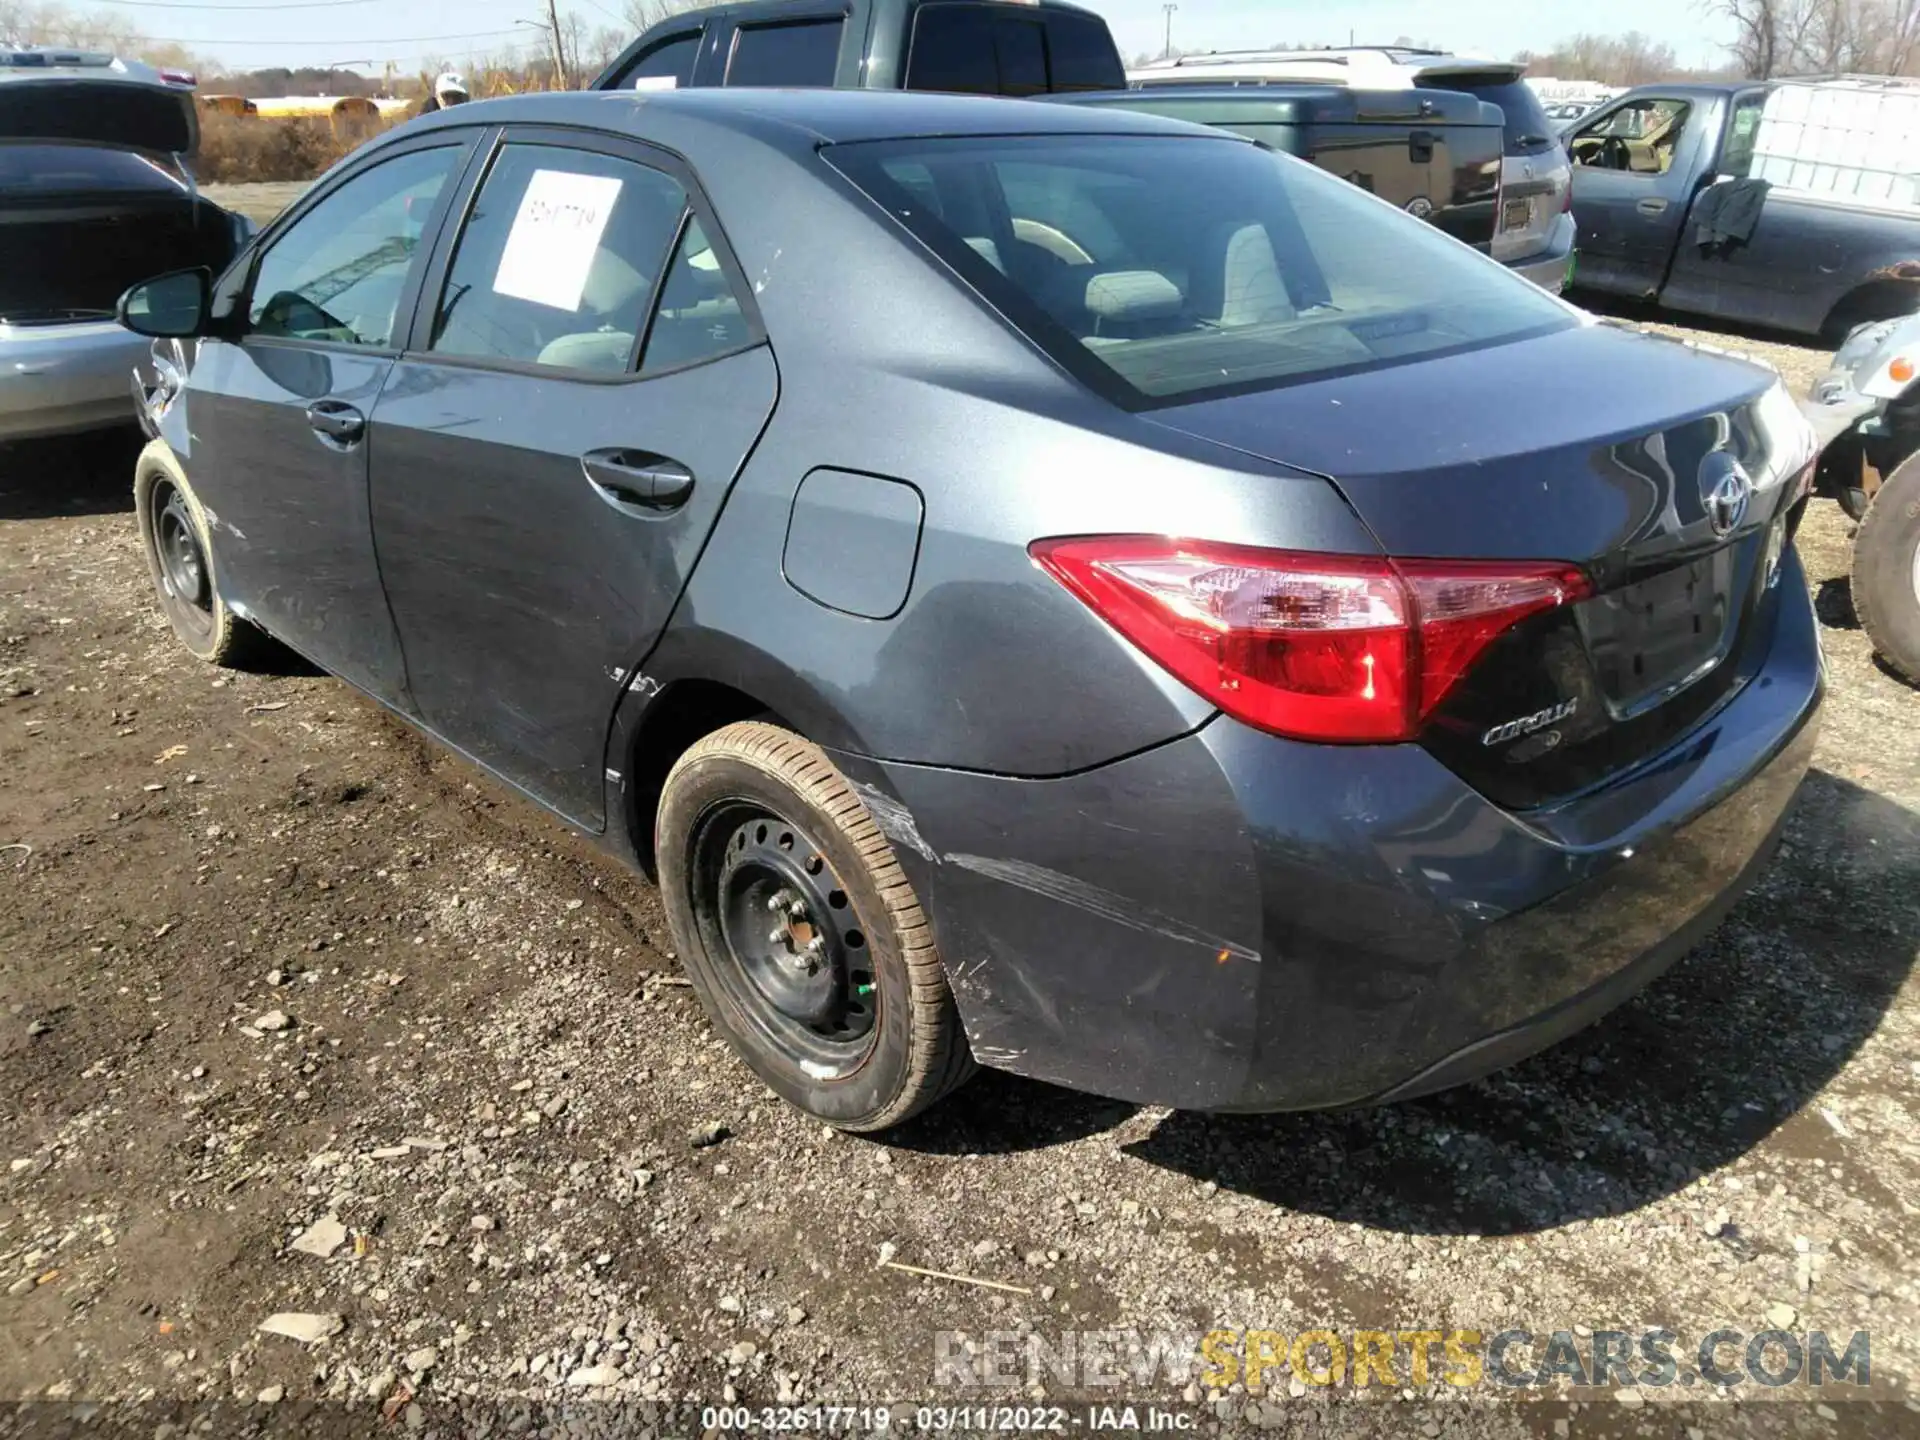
(172, 524)
(1886, 570)
(769, 862)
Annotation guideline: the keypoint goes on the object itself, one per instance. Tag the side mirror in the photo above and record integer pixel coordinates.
(171, 307)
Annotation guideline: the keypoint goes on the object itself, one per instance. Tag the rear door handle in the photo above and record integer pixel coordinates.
(336, 422)
(637, 483)
(1652, 205)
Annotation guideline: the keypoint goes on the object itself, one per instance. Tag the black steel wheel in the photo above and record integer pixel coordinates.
(801, 933)
(186, 590)
(793, 949)
(174, 534)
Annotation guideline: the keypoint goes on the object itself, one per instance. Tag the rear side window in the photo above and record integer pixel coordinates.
(668, 64)
(559, 260)
(806, 53)
(699, 315)
(1529, 131)
(1081, 54)
(1164, 269)
(972, 49)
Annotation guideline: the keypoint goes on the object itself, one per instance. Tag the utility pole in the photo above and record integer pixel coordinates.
(1169, 7)
(559, 51)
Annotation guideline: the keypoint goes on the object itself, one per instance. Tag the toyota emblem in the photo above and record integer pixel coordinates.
(1725, 492)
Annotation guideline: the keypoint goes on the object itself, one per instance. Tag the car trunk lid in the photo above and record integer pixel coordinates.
(1593, 446)
(100, 110)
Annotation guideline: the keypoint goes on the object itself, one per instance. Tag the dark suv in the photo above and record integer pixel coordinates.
(970, 47)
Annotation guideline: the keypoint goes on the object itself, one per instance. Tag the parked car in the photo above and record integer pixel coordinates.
(1866, 412)
(978, 47)
(95, 194)
(1434, 154)
(781, 487)
(1536, 230)
(1651, 166)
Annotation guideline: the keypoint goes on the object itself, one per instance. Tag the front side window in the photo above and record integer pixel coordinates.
(337, 273)
(805, 53)
(1161, 267)
(558, 260)
(1640, 138)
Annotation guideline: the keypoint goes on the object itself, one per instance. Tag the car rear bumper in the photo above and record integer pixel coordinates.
(1549, 268)
(1236, 921)
(64, 379)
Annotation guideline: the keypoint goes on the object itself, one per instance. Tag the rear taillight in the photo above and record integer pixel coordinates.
(1345, 648)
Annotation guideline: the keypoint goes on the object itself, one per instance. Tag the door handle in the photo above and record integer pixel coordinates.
(336, 422)
(635, 482)
(1652, 205)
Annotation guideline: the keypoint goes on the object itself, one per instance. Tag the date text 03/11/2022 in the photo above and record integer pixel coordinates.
(944, 1419)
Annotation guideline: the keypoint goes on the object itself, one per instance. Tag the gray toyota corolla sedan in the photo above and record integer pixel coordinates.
(1042, 587)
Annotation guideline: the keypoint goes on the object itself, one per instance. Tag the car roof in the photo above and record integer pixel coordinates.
(800, 118)
(1351, 64)
(43, 62)
(750, 10)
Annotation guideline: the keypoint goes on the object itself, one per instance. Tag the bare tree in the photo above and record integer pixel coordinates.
(644, 13)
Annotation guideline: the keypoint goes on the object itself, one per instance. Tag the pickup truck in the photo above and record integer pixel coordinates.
(975, 47)
(1435, 154)
(1645, 169)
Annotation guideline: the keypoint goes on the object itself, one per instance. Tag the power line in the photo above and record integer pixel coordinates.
(336, 42)
(283, 5)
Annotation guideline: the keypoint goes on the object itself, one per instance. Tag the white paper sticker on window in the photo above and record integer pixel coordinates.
(656, 82)
(555, 237)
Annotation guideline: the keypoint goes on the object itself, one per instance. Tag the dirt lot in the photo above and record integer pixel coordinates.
(267, 958)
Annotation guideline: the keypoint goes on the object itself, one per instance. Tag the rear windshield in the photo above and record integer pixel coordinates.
(975, 49)
(1529, 131)
(1167, 268)
(27, 170)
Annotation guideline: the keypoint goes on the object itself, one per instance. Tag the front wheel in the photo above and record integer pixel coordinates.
(1886, 570)
(178, 543)
(801, 933)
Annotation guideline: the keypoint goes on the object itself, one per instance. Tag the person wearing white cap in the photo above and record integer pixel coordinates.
(449, 89)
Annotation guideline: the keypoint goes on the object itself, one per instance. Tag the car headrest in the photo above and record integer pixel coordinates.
(1133, 295)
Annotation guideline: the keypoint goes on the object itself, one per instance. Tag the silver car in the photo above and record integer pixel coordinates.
(95, 195)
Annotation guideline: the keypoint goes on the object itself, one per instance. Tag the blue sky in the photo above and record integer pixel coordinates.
(327, 32)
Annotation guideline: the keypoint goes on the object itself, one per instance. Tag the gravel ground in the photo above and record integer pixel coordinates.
(300, 1015)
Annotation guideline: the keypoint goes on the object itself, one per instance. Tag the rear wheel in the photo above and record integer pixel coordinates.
(801, 933)
(174, 533)
(1886, 570)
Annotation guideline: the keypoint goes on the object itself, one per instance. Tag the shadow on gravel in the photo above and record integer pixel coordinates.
(1712, 1059)
(996, 1114)
(1833, 603)
(81, 475)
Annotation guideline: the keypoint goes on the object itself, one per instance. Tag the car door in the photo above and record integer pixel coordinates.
(1787, 272)
(1633, 174)
(585, 380)
(278, 410)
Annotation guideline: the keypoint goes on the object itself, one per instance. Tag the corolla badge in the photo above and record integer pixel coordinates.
(1725, 491)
